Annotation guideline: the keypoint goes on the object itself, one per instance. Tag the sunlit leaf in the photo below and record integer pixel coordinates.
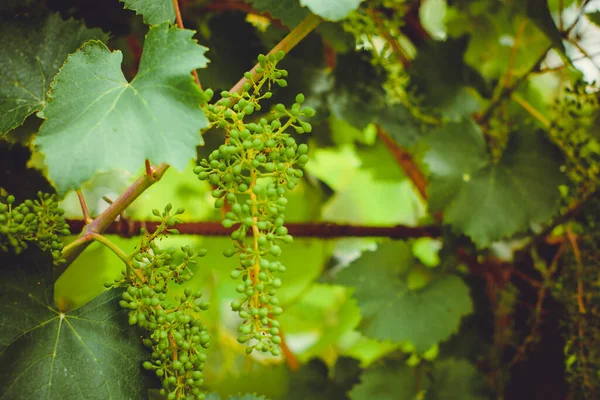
(109, 123)
(391, 311)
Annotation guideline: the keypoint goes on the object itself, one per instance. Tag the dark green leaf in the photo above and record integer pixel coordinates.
(386, 382)
(489, 201)
(440, 75)
(32, 52)
(89, 353)
(456, 379)
(594, 17)
(109, 123)
(391, 311)
(153, 11)
(314, 380)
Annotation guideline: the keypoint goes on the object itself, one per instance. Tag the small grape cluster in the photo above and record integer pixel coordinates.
(573, 130)
(177, 337)
(250, 174)
(40, 221)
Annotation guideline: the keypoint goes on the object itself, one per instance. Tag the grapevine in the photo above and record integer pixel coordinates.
(177, 337)
(250, 173)
(40, 221)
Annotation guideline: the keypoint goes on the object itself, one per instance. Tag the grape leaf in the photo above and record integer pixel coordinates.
(32, 52)
(391, 311)
(153, 11)
(456, 379)
(594, 17)
(488, 201)
(105, 122)
(333, 10)
(89, 353)
(385, 382)
(288, 11)
(315, 382)
(539, 13)
(440, 74)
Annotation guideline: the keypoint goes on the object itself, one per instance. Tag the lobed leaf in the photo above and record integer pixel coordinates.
(107, 123)
(154, 12)
(391, 311)
(489, 201)
(45, 353)
(32, 52)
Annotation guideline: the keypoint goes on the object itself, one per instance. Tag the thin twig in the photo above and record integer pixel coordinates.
(577, 253)
(285, 45)
(404, 159)
(290, 358)
(507, 91)
(567, 32)
(179, 22)
(84, 207)
(397, 50)
(531, 110)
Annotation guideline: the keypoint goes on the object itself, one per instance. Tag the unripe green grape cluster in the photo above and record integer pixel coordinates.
(177, 337)
(40, 221)
(573, 129)
(250, 174)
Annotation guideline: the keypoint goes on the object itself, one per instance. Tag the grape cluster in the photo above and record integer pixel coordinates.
(250, 174)
(573, 128)
(40, 221)
(177, 337)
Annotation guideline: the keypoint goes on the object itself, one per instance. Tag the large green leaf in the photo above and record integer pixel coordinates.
(489, 201)
(89, 353)
(441, 76)
(333, 10)
(391, 311)
(32, 51)
(386, 382)
(104, 122)
(153, 11)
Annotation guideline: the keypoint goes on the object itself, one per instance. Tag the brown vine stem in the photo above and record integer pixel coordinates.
(322, 230)
(577, 253)
(179, 22)
(285, 45)
(84, 207)
(405, 160)
(106, 219)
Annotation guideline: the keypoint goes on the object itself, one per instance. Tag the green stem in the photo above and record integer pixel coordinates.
(113, 247)
(105, 219)
(286, 44)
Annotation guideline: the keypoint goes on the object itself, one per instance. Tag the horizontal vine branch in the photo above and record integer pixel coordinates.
(316, 229)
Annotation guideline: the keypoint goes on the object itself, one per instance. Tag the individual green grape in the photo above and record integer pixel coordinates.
(40, 221)
(251, 173)
(177, 338)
